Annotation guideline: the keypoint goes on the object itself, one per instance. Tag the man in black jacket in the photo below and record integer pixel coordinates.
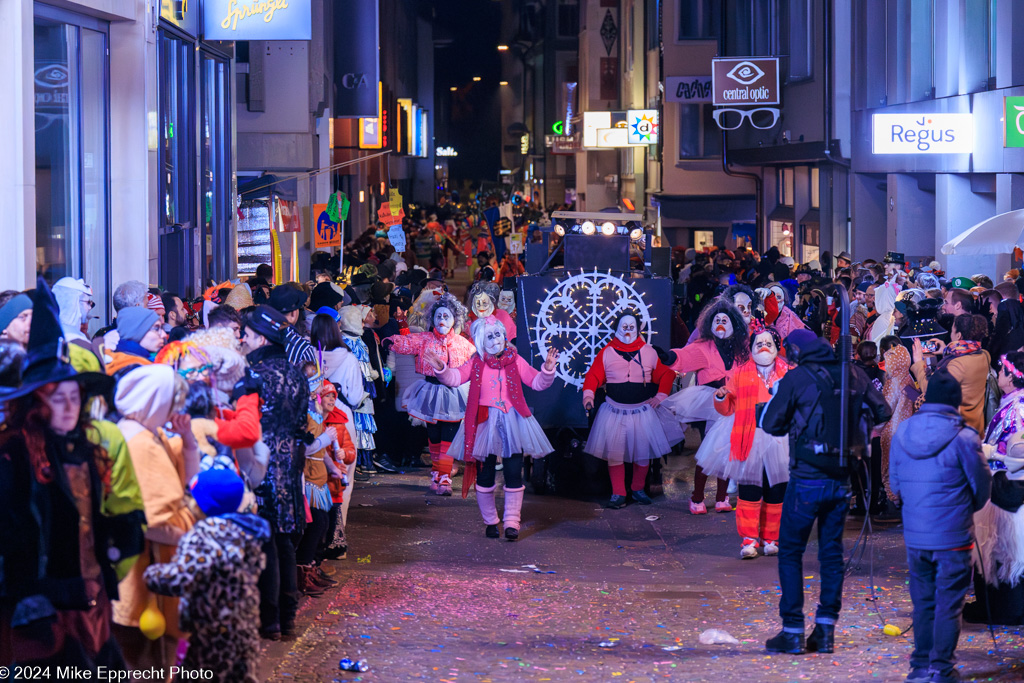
(805, 406)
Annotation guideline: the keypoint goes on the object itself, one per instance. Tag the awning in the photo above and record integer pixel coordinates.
(791, 153)
(996, 235)
(259, 188)
(812, 216)
(711, 208)
(785, 214)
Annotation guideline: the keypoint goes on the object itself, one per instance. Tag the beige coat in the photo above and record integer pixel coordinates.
(972, 372)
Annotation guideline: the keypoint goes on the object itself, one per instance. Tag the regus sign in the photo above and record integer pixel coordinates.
(922, 133)
(257, 19)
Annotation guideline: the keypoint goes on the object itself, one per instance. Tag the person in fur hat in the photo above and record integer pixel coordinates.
(498, 422)
(429, 400)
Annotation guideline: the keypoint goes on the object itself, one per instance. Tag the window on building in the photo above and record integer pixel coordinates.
(750, 28)
(815, 188)
(796, 37)
(909, 29)
(811, 242)
(782, 237)
(699, 135)
(568, 18)
(214, 140)
(71, 136)
(992, 28)
(653, 24)
(699, 18)
(786, 178)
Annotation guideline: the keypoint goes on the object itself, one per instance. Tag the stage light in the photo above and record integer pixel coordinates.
(476, 79)
(502, 48)
(453, 88)
(587, 227)
(636, 234)
(608, 228)
(502, 82)
(559, 229)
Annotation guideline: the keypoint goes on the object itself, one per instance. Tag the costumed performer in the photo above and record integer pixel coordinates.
(483, 302)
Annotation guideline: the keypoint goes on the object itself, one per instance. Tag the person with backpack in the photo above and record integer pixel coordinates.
(806, 406)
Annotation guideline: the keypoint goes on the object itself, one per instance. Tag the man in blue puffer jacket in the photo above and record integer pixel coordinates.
(937, 467)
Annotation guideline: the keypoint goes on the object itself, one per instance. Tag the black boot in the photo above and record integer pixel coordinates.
(491, 531)
(822, 638)
(511, 533)
(786, 642)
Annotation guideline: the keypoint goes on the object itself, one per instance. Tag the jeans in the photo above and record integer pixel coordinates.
(939, 580)
(278, 584)
(807, 500)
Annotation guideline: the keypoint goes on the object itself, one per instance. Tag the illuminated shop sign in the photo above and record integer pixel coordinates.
(740, 81)
(1014, 120)
(257, 19)
(922, 133)
(611, 129)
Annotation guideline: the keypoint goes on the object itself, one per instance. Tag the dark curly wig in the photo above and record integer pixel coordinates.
(738, 343)
(448, 301)
(731, 292)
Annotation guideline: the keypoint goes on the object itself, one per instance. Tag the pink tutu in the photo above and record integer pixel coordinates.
(632, 432)
(503, 434)
(693, 404)
(767, 454)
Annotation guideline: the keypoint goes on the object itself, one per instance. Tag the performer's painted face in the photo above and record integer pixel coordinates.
(742, 302)
(444, 320)
(507, 301)
(764, 352)
(482, 305)
(494, 340)
(780, 296)
(721, 326)
(626, 331)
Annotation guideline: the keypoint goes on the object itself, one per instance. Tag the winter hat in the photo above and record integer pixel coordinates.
(328, 311)
(326, 294)
(240, 297)
(285, 298)
(156, 304)
(943, 388)
(350, 318)
(69, 293)
(218, 491)
(814, 264)
(133, 323)
(801, 338)
(13, 308)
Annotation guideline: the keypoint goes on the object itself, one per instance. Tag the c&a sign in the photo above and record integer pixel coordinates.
(257, 19)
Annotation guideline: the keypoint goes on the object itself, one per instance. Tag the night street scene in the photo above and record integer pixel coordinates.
(502, 341)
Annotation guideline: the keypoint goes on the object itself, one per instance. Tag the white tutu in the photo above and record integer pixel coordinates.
(503, 434)
(632, 432)
(767, 453)
(693, 404)
(432, 403)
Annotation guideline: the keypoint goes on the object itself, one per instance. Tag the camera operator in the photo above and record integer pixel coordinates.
(806, 406)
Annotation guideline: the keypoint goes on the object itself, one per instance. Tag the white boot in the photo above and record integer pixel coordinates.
(485, 500)
(513, 511)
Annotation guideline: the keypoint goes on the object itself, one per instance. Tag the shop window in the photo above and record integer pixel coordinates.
(782, 237)
(698, 18)
(810, 243)
(786, 178)
(699, 135)
(568, 18)
(71, 136)
(796, 33)
(214, 139)
(815, 188)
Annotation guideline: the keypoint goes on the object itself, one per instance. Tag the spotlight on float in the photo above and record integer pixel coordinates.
(636, 234)
(587, 227)
(608, 228)
(559, 229)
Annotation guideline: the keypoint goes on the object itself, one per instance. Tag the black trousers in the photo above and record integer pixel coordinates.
(278, 584)
(511, 469)
(312, 537)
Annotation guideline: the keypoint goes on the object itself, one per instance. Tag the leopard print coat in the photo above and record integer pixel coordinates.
(215, 572)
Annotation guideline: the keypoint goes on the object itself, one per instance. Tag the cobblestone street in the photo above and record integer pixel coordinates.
(614, 597)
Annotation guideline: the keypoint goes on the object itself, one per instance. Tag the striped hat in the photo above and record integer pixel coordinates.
(155, 303)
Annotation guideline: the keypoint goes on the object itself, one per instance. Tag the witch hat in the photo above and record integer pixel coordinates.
(47, 358)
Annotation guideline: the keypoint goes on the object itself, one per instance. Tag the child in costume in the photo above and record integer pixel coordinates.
(630, 427)
(350, 318)
(722, 344)
(215, 573)
(736, 448)
(440, 407)
(498, 422)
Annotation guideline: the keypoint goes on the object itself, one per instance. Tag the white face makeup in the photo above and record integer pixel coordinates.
(444, 320)
(721, 326)
(494, 340)
(627, 330)
(507, 302)
(764, 352)
(482, 305)
(742, 302)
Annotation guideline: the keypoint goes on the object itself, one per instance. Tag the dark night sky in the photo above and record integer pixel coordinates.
(469, 119)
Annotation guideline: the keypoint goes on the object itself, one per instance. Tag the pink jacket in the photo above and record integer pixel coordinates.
(454, 348)
(702, 357)
(787, 322)
(611, 368)
(493, 392)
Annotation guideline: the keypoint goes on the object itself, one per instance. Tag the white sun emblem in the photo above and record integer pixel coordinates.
(576, 319)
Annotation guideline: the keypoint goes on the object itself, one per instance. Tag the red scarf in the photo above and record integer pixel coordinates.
(748, 386)
(475, 413)
(635, 345)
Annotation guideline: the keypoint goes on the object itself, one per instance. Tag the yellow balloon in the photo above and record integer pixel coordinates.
(152, 622)
(891, 630)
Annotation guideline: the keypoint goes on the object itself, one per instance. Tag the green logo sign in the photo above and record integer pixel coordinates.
(558, 126)
(1013, 115)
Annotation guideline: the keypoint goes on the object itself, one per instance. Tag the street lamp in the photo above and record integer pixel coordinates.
(502, 48)
(453, 88)
(502, 82)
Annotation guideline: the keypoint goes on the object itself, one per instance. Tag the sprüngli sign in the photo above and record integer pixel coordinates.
(257, 20)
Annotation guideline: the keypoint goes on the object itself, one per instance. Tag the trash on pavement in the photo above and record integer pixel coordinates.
(715, 636)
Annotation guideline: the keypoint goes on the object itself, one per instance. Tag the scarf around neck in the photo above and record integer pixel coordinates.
(506, 364)
(744, 426)
(962, 348)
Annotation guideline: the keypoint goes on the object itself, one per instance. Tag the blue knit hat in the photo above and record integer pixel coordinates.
(218, 491)
(134, 322)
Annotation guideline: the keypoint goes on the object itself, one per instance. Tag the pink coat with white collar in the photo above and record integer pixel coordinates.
(454, 349)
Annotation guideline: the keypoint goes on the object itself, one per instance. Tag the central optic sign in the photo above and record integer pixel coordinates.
(745, 81)
(922, 133)
(257, 20)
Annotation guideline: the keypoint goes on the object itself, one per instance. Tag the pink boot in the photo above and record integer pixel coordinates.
(488, 510)
(513, 509)
(434, 477)
(444, 485)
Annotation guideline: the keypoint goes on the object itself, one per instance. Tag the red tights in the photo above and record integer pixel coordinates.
(618, 477)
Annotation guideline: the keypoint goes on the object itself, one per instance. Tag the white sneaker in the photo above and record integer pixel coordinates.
(749, 549)
(771, 548)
